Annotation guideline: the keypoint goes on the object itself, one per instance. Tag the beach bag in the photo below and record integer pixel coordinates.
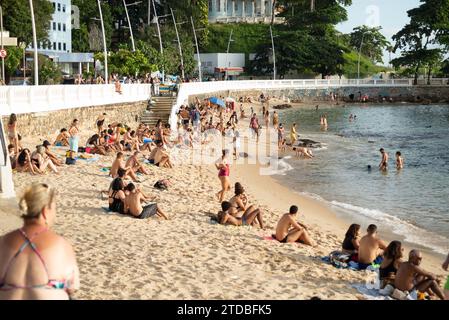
(81, 149)
(70, 161)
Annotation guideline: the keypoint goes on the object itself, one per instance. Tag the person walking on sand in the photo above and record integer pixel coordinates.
(254, 125)
(223, 176)
(293, 134)
(410, 277)
(288, 230)
(399, 161)
(384, 162)
(371, 248)
(267, 119)
(35, 262)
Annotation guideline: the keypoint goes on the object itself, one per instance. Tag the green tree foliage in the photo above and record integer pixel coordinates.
(417, 40)
(127, 63)
(49, 72)
(17, 19)
(13, 60)
(371, 41)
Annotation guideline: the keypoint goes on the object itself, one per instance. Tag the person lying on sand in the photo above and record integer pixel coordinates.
(288, 230)
(62, 139)
(135, 165)
(410, 277)
(371, 248)
(228, 216)
(133, 204)
(118, 163)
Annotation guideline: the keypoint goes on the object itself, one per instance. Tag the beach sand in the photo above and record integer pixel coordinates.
(190, 256)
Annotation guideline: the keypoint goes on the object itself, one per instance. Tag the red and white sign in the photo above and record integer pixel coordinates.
(3, 53)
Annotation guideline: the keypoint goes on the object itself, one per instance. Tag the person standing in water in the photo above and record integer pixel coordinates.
(275, 120)
(399, 161)
(384, 162)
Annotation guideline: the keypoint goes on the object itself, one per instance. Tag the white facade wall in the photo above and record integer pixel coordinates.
(210, 61)
(60, 33)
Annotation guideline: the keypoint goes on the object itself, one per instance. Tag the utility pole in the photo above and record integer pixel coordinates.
(149, 12)
(3, 59)
(36, 62)
(227, 54)
(106, 75)
(197, 51)
(161, 48)
(274, 54)
(129, 22)
(179, 44)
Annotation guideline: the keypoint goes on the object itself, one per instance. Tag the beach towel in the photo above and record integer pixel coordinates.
(369, 293)
(107, 210)
(88, 160)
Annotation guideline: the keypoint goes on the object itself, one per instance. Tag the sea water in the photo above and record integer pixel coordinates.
(413, 202)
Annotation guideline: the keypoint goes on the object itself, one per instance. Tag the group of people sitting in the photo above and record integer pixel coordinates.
(406, 276)
(36, 162)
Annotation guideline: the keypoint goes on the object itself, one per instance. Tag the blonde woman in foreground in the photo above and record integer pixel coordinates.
(35, 262)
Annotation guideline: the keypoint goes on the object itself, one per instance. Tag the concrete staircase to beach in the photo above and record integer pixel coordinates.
(160, 109)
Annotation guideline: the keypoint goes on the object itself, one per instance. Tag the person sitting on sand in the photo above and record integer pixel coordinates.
(133, 204)
(390, 264)
(12, 156)
(240, 202)
(351, 242)
(62, 139)
(135, 165)
(371, 247)
(228, 216)
(446, 286)
(159, 157)
(35, 262)
(54, 158)
(288, 230)
(118, 163)
(24, 163)
(42, 161)
(117, 193)
(96, 147)
(410, 277)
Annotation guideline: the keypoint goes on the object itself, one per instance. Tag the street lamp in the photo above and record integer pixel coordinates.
(129, 21)
(106, 75)
(36, 63)
(161, 48)
(3, 59)
(227, 54)
(197, 49)
(179, 43)
(23, 45)
(274, 53)
(360, 53)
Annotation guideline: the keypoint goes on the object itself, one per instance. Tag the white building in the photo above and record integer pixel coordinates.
(216, 63)
(59, 47)
(238, 11)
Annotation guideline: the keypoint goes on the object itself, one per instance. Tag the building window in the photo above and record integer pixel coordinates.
(54, 6)
(65, 46)
(59, 7)
(54, 25)
(59, 46)
(59, 27)
(218, 5)
(63, 27)
(236, 6)
(63, 8)
(54, 45)
(210, 5)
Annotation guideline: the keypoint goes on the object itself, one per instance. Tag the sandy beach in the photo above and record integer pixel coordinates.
(191, 256)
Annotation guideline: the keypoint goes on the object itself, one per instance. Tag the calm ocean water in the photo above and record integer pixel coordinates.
(413, 203)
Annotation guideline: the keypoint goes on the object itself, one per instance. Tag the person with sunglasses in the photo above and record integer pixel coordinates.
(35, 262)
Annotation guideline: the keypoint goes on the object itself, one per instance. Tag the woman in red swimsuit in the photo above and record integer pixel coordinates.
(223, 175)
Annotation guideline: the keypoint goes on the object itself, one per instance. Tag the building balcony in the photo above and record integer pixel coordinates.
(253, 20)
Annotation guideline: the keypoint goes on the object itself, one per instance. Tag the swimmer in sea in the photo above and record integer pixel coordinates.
(384, 162)
(399, 161)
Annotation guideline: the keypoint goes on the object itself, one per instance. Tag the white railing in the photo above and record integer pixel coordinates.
(197, 88)
(28, 99)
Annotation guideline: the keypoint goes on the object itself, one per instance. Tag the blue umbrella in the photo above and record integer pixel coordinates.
(217, 101)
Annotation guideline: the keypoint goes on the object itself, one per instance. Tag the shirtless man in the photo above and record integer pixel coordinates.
(133, 204)
(399, 161)
(63, 138)
(371, 248)
(118, 163)
(228, 216)
(411, 277)
(135, 165)
(288, 230)
(160, 157)
(384, 162)
(185, 117)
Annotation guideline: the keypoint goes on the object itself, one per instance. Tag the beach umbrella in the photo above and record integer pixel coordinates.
(217, 101)
(230, 100)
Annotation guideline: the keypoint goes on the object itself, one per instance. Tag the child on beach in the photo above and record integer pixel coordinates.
(288, 230)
